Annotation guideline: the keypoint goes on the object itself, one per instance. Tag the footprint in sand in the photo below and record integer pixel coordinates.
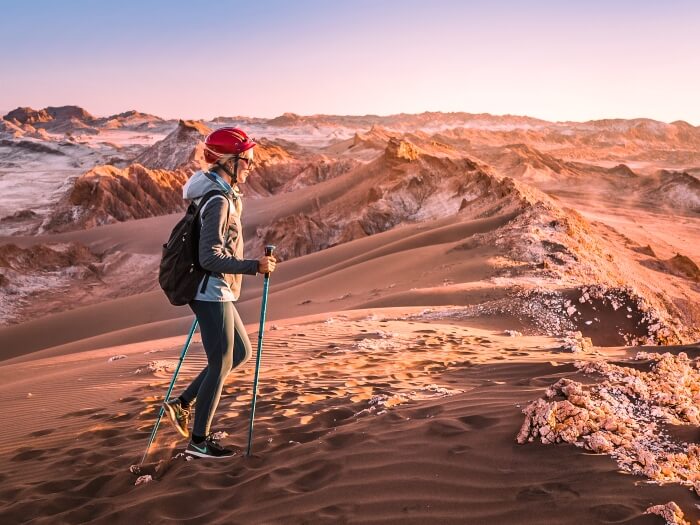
(39, 433)
(120, 416)
(103, 432)
(478, 422)
(617, 513)
(29, 454)
(548, 491)
(83, 412)
(460, 449)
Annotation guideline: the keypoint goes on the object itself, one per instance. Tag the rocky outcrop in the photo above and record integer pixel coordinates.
(622, 170)
(684, 266)
(528, 155)
(62, 119)
(108, 194)
(302, 174)
(403, 185)
(287, 119)
(10, 129)
(406, 184)
(299, 231)
(623, 415)
(44, 257)
(46, 278)
(398, 149)
(376, 138)
(283, 166)
(642, 130)
(182, 148)
(524, 162)
(27, 115)
(69, 112)
(130, 120)
(670, 512)
(33, 146)
(674, 190)
(40, 270)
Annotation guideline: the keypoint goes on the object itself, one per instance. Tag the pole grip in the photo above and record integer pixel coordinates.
(268, 253)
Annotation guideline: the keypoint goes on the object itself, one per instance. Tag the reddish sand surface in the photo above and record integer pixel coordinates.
(408, 331)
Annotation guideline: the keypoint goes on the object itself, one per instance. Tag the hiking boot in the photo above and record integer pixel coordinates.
(178, 416)
(209, 448)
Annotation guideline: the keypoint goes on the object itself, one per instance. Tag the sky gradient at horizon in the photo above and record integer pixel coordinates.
(545, 59)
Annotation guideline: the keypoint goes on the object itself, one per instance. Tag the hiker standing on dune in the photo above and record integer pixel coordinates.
(231, 155)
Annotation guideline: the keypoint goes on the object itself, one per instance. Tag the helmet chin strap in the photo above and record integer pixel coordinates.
(234, 175)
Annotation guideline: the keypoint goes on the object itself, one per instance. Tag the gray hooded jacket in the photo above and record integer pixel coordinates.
(220, 248)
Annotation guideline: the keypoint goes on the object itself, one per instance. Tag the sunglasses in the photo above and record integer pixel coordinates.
(249, 162)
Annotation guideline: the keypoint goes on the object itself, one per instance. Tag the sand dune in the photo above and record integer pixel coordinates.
(363, 416)
(308, 278)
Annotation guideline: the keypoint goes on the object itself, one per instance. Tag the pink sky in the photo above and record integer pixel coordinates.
(553, 60)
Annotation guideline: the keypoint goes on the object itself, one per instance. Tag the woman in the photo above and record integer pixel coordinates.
(231, 155)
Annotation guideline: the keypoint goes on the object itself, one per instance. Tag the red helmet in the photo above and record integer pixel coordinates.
(224, 142)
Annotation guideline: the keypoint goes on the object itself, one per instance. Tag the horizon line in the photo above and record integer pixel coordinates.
(355, 115)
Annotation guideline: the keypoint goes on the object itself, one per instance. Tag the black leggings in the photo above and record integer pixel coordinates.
(227, 347)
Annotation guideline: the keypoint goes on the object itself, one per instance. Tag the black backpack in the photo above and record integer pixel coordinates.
(179, 272)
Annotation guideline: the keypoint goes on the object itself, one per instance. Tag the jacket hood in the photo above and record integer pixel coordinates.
(199, 184)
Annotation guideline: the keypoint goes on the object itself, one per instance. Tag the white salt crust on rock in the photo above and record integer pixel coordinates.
(671, 512)
(156, 366)
(624, 415)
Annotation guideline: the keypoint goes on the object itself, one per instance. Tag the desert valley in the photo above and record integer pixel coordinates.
(475, 319)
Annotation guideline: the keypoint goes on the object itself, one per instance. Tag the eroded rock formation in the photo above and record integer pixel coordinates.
(107, 194)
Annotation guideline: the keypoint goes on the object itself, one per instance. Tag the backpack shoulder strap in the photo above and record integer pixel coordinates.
(205, 198)
(200, 206)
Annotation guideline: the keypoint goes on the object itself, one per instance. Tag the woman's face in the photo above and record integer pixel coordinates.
(246, 164)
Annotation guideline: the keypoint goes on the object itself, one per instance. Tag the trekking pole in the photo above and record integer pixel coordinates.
(268, 252)
(170, 389)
